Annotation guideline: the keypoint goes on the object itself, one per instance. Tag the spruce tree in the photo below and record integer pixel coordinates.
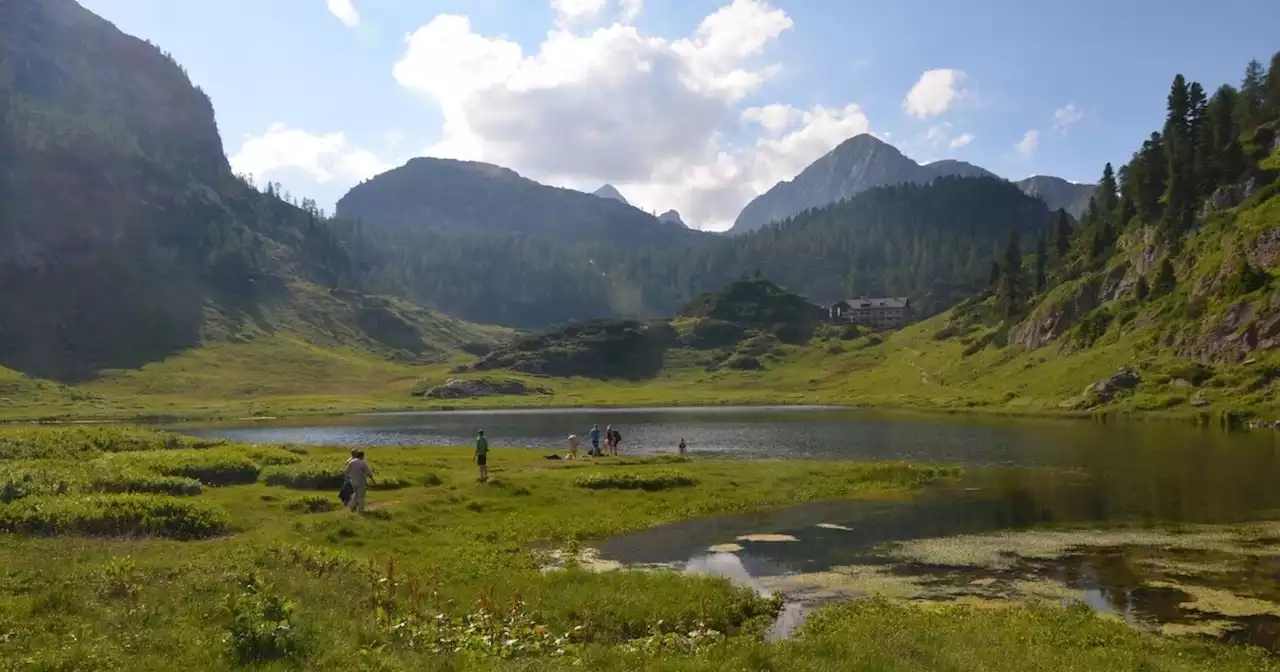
(1180, 158)
(1227, 157)
(1142, 290)
(1011, 289)
(1127, 212)
(1252, 94)
(993, 278)
(1165, 279)
(1062, 235)
(1149, 172)
(1271, 102)
(1042, 261)
(1109, 190)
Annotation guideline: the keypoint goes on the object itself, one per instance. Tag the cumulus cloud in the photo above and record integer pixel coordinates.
(934, 93)
(1027, 145)
(323, 158)
(648, 114)
(961, 140)
(345, 11)
(630, 9)
(577, 10)
(1066, 116)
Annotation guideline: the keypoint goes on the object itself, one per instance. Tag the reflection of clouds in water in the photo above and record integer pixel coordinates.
(727, 565)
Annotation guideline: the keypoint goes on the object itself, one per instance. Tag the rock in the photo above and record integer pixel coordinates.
(1114, 285)
(482, 387)
(1181, 384)
(1200, 403)
(1049, 325)
(1105, 390)
(1265, 252)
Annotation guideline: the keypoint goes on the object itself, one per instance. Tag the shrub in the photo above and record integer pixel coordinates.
(263, 625)
(311, 476)
(793, 333)
(123, 482)
(710, 334)
(115, 515)
(650, 481)
(313, 504)
(208, 467)
(18, 482)
(744, 363)
(33, 443)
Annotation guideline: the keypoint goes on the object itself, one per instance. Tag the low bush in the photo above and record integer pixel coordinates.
(311, 476)
(649, 481)
(21, 481)
(263, 625)
(35, 443)
(208, 467)
(123, 482)
(313, 504)
(114, 515)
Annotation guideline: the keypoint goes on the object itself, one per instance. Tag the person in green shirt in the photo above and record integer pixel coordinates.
(482, 456)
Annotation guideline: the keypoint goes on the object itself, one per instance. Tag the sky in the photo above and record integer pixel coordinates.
(693, 105)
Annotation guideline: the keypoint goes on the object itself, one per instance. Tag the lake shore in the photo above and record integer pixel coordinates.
(445, 571)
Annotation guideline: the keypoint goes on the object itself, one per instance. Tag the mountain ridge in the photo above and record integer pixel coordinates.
(856, 165)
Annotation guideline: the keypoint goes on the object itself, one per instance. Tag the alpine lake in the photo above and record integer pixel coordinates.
(1169, 527)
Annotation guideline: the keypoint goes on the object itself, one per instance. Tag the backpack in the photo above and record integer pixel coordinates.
(346, 492)
(617, 437)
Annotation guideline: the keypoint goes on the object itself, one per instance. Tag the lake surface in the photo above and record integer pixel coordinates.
(1021, 475)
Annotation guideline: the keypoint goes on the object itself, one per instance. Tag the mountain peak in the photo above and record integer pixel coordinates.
(610, 191)
(671, 216)
(1058, 193)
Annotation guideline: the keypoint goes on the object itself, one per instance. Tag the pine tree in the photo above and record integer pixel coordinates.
(1127, 212)
(1227, 157)
(1011, 289)
(1252, 95)
(1180, 158)
(1042, 261)
(1271, 102)
(1165, 279)
(1149, 173)
(993, 278)
(1109, 191)
(1142, 290)
(1062, 235)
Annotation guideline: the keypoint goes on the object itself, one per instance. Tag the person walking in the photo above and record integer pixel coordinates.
(358, 473)
(595, 440)
(482, 455)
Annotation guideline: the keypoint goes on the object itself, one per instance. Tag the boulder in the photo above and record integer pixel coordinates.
(455, 388)
(1104, 391)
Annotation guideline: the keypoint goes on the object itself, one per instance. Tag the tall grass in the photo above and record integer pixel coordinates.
(36, 443)
(649, 481)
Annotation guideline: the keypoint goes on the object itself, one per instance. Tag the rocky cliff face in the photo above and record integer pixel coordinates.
(1058, 194)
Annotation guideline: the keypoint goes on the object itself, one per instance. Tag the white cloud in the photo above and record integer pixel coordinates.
(345, 11)
(647, 114)
(1066, 116)
(577, 10)
(961, 140)
(934, 93)
(630, 9)
(324, 158)
(1027, 145)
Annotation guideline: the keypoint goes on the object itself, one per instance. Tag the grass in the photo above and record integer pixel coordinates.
(446, 573)
(651, 482)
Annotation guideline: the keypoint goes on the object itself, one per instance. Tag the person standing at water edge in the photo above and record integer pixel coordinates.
(615, 437)
(358, 474)
(683, 446)
(482, 455)
(595, 440)
(574, 442)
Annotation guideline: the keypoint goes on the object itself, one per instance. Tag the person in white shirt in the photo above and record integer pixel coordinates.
(358, 474)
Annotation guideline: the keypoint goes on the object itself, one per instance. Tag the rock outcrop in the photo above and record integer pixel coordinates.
(455, 388)
(1049, 324)
(1103, 391)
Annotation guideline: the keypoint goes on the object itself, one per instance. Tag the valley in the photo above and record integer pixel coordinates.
(886, 372)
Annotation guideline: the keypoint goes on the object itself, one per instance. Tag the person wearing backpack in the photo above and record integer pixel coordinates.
(615, 437)
(358, 474)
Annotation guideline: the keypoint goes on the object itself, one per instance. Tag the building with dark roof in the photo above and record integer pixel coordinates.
(886, 313)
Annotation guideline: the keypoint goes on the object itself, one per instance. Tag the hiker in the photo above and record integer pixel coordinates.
(683, 446)
(358, 474)
(595, 441)
(615, 437)
(482, 455)
(608, 440)
(574, 442)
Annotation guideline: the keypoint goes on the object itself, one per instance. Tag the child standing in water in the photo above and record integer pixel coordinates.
(682, 446)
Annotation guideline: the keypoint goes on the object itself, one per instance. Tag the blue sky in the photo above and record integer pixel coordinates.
(690, 104)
